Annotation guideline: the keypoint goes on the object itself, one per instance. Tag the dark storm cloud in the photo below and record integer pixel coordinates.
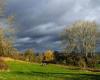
(39, 22)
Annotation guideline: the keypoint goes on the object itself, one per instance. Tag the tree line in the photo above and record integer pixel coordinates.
(79, 47)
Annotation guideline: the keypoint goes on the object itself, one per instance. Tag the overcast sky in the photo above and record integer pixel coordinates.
(39, 22)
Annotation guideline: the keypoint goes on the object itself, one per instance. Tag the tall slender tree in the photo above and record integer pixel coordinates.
(6, 34)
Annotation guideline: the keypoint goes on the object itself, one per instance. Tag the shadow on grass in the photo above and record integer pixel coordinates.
(65, 76)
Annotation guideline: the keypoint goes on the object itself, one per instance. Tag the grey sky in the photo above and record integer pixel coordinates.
(39, 22)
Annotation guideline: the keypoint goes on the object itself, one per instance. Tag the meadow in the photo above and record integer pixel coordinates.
(32, 71)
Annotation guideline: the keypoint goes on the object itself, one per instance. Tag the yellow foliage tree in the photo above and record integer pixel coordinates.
(49, 56)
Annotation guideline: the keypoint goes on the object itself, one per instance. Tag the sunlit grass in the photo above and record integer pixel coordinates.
(28, 71)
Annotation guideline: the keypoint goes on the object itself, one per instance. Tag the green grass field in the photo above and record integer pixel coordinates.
(27, 71)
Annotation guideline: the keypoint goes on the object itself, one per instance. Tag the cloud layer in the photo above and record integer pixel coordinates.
(39, 22)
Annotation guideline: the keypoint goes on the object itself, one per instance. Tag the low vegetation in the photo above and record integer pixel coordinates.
(33, 71)
(3, 65)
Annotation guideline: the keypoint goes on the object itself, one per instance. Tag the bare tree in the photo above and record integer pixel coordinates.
(6, 34)
(6, 46)
(80, 37)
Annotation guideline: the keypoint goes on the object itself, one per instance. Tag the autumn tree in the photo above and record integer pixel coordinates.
(49, 56)
(29, 55)
(15, 53)
(39, 58)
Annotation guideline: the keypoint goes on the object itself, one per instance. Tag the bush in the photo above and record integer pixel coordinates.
(73, 59)
(82, 64)
(90, 61)
(3, 65)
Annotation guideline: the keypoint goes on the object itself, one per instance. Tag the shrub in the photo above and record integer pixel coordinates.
(90, 61)
(3, 65)
(82, 64)
(73, 59)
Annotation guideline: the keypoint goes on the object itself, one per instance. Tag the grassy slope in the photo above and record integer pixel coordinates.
(28, 71)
